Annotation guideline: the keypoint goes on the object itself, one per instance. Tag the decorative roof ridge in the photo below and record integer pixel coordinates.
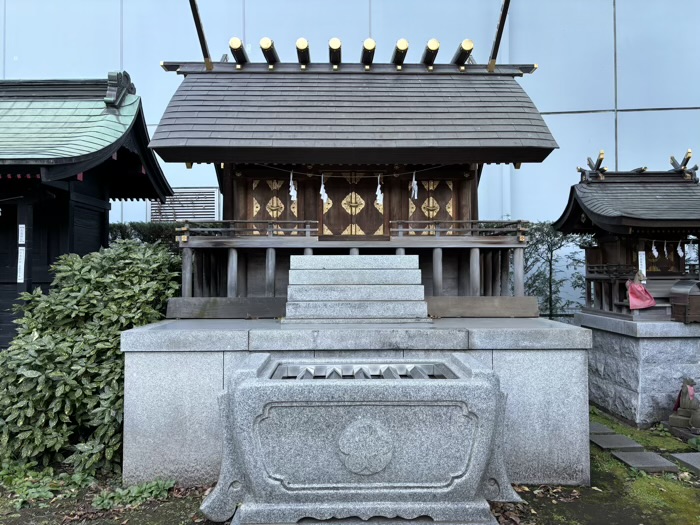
(111, 90)
(119, 84)
(194, 67)
(681, 172)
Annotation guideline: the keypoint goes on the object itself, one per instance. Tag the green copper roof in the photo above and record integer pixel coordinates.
(63, 128)
(58, 130)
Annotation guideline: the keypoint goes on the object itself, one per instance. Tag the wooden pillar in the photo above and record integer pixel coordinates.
(308, 251)
(463, 273)
(197, 273)
(213, 274)
(227, 192)
(488, 273)
(496, 273)
(400, 251)
(505, 272)
(474, 272)
(437, 272)
(270, 272)
(519, 272)
(187, 266)
(232, 273)
(354, 251)
(25, 235)
(589, 294)
(242, 275)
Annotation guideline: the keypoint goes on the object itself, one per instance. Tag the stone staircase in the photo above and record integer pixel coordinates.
(355, 289)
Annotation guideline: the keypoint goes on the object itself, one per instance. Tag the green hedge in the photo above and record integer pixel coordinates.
(62, 379)
(150, 232)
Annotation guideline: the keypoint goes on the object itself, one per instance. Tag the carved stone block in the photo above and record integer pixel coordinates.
(344, 439)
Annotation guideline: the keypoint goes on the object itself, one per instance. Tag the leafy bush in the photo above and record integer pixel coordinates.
(62, 379)
(26, 485)
(132, 496)
(149, 232)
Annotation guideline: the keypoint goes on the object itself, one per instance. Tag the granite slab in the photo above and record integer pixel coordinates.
(646, 461)
(597, 428)
(352, 262)
(689, 460)
(616, 442)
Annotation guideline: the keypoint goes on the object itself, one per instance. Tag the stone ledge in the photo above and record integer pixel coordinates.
(234, 335)
(352, 262)
(640, 329)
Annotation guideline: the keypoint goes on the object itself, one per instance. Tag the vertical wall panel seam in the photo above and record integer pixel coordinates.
(614, 5)
(243, 24)
(121, 35)
(4, 38)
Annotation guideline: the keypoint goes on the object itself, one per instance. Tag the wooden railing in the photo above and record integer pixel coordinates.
(214, 258)
(248, 228)
(271, 228)
(467, 227)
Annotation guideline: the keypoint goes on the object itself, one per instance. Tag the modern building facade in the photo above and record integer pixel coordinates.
(617, 75)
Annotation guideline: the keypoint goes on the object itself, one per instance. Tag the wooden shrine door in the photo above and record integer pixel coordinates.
(270, 201)
(352, 208)
(436, 202)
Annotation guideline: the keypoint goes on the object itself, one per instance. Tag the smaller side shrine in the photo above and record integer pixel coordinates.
(644, 224)
(66, 148)
(640, 221)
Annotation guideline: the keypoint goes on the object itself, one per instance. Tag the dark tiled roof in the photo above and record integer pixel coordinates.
(288, 115)
(633, 200)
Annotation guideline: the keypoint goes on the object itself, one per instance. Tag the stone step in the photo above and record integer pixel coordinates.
(354, 276)
(356, 292)
(646, 461)
(690, 460)
(597, 428)
(357, 309)
(352, 262)
(357, 321)
(616, 442)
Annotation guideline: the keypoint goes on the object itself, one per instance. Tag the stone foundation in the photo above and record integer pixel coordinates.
(636, 368)
(176, 369)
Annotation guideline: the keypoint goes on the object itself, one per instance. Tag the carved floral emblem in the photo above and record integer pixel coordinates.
(366, 447)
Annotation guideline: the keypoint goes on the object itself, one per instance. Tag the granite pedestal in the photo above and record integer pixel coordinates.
(176, 369)
(636, 367)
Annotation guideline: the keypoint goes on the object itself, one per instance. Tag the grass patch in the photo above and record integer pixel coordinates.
(657, 440)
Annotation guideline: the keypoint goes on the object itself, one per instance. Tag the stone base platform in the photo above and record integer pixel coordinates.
(175, 370)
(636, 367)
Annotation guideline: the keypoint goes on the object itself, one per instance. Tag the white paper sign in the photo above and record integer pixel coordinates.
(20, 264)
(643, 263)
(22, 234)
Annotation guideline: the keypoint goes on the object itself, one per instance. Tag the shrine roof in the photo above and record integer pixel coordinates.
(66, 127)
(350, 115)
(619, 202)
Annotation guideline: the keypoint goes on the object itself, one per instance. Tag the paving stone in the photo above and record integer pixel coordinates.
(597, 428)
(616, 442)
(690, 460)
(646, 461)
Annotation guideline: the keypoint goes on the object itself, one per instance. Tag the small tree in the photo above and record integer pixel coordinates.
(548, 269)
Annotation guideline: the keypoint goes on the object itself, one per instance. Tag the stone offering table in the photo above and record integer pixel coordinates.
(176, 369)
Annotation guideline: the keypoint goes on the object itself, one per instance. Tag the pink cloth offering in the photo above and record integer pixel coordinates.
(639, 296)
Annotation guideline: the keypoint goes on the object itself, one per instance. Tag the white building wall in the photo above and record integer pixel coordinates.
(619, 75)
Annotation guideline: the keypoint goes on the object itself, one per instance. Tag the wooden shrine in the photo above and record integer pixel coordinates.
(334, 157)
(639, 220)
(66, 148)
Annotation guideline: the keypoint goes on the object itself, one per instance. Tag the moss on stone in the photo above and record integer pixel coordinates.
(649, 439)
